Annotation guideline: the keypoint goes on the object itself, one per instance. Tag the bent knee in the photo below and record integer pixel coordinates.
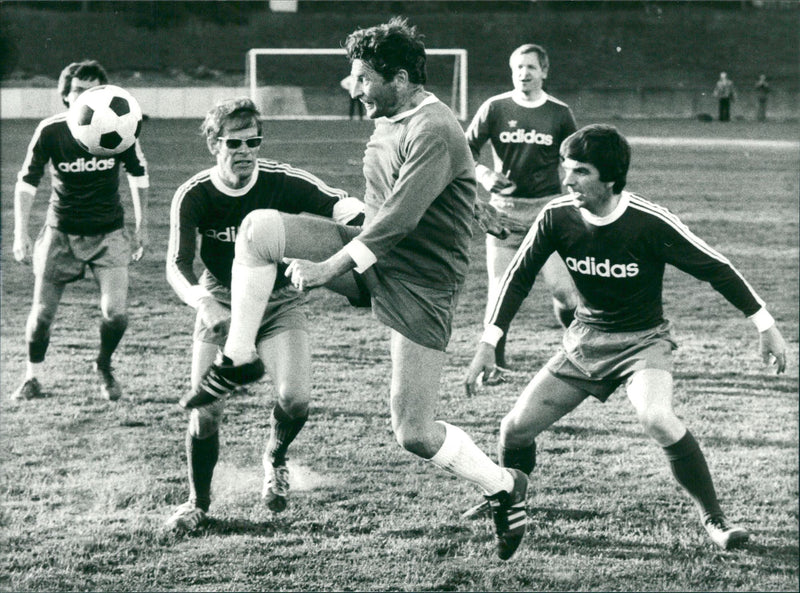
(515, 433)
(261, 239)
(659, 422)
(205, 422)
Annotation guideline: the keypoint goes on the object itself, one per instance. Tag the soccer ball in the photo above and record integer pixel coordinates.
(105, 120)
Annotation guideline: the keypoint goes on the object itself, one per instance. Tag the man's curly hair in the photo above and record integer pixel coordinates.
(389, 48)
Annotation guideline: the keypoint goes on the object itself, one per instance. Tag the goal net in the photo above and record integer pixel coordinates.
(297, 83)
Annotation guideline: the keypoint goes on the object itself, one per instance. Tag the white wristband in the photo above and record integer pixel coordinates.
(361, 254)
(762, 320)
(491, 335)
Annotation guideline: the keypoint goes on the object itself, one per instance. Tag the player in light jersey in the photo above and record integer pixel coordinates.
(616, 245)
(525, 127)
(212, 205)
(410, 261)
(84, 227)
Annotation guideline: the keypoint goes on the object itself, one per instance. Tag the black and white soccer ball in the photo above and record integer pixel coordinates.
(105, 120)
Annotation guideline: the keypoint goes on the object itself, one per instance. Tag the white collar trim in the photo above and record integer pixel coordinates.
(624, 200)
(522, 102)
(216, 179)
(429, 100)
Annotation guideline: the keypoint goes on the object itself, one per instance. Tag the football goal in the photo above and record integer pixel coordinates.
(300, 83)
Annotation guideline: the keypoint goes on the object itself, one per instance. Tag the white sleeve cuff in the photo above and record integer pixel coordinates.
(347, 209)
(491, 335)
(25, 188)
(142, 182)
(762, 320)
(361, 254)
(195, 293)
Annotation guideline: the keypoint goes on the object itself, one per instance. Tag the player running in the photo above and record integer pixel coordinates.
(525, 127)
(213, 204)
(616, 245)
(409, 261)
(84, 227)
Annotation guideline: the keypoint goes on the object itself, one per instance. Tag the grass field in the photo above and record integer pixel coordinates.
(86, 484)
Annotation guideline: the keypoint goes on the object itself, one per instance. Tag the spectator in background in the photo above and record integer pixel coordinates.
(85, 226)
(525, 127)
(212, 205)
(355, 103)
(762, 92)
(725, 93)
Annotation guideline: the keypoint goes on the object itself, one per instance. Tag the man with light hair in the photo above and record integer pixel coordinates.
(525, 127)
(212, 205)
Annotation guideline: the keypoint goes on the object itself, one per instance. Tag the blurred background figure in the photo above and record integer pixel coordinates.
(355, 103)
(762, 92)
(725, 92)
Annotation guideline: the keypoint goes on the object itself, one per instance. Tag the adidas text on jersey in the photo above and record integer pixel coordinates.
(520, 136)
(604, 269)
(84, 166)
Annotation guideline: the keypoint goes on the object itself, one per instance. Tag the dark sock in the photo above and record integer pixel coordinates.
(37, 349)
(284, 430)
(689, 467)
(202, 455)
(111, 332)
(522, 459)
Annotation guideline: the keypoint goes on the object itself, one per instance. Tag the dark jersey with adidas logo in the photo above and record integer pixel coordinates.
(617, 263)
(85, 196)
(205, 206)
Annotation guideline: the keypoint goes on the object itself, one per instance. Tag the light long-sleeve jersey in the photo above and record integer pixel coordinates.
(420, 196)
(205, 206)
(617, 263)
(85, 196)
(525, 138)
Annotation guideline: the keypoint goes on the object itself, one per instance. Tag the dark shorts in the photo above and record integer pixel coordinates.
(422, 314)
(285, 311)
(598, 362)
(61, 258)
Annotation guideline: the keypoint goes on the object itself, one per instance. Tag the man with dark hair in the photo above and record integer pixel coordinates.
(84, 227)
(409, 261)
(616, 245)
(213, 204)
(525, 127)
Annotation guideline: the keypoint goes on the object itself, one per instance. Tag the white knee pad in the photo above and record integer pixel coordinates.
(261, 239)
(205, 421)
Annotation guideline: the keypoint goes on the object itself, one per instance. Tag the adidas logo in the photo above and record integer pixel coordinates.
(228, 234)
(84, 166)
(520, 136)
(604, 269)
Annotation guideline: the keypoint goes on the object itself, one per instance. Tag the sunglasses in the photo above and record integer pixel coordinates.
(234, 143)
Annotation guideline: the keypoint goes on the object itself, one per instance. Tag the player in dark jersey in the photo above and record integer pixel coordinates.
(212, 205)
(84, 227)
(525, 127)
(616, 245)
(409, 261)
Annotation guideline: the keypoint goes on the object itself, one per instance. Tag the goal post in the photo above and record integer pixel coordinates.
(297, 89)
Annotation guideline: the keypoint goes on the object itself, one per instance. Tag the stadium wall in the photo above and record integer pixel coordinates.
(193, 102)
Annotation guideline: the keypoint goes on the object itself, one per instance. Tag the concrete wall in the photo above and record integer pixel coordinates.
(193, 102)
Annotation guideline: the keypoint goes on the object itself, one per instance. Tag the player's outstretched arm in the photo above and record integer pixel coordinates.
(773, 348)
(482, 364)
(23, 246)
